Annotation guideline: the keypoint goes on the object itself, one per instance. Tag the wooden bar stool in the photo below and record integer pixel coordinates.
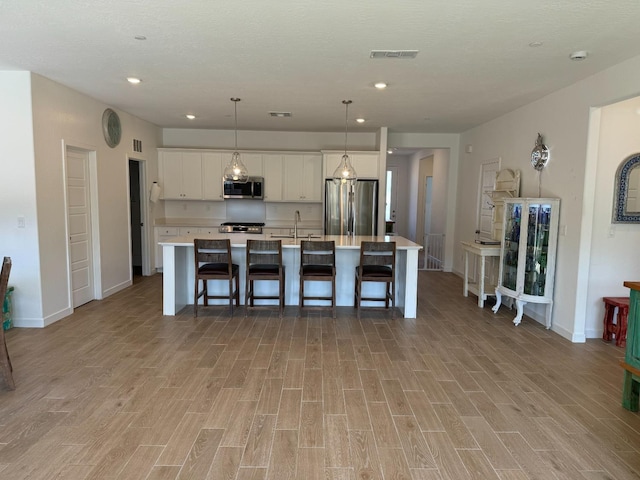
(213, 262)
(264, 262)
(5, 361)
(377, 264)
(619, 329)
(318, 264)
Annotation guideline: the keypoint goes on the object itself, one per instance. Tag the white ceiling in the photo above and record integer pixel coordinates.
(306, 56)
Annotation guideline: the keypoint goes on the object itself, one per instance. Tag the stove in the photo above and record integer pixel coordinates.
(241, 227)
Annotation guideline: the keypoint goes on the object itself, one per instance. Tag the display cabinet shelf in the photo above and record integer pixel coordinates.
(527, 254)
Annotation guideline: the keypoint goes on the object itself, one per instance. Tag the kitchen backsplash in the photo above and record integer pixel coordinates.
(243, 211)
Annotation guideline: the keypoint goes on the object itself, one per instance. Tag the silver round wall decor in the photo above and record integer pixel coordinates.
(111, 127)
(540, 155)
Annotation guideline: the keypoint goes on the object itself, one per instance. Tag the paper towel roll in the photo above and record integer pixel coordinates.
(155, 192)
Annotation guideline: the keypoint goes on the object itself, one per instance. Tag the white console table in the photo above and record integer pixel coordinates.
(478, 287)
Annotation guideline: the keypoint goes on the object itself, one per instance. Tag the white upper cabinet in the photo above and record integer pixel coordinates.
(181, 175)
(253, 161)
(302, 178)
(212, 168)
(365, 163)
(273, 177)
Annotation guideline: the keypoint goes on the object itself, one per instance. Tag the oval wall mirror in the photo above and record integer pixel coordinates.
(626, 202)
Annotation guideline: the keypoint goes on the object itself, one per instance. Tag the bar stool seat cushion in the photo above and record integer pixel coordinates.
(217, 268)
(264, 269)
(318, 270)
(376, 271)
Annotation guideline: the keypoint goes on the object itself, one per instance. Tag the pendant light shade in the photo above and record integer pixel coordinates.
(236, 171)
(345, 172)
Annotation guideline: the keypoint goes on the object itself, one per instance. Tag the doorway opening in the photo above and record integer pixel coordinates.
(139, 260)
(391, 200)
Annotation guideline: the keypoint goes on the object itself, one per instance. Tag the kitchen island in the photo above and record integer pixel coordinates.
(178, 270)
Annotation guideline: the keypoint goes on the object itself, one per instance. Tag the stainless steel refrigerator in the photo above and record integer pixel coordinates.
(361, 218)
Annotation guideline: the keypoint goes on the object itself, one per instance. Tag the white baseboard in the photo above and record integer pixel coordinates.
(116, 288)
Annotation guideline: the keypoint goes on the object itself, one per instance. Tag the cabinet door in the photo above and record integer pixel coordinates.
(212, 168)
(192, 175)
(312, 178)
(253, 161)
(511, 246)
(273, 176)
(162, 234)
(293, 178)
(171, 175)
(366, 164)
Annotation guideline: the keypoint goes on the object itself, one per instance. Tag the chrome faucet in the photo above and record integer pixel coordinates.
(296, 219)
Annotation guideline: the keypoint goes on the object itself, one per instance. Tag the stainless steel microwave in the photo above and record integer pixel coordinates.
(252, 189)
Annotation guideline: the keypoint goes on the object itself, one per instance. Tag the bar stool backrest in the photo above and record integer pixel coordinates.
(317, 252)
(212, 251)
(264, 252)
(378, 253)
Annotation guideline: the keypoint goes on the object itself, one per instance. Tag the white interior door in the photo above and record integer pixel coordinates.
(79, 218)
(488, 172)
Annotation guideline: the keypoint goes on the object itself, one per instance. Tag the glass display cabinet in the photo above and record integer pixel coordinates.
(528, 253)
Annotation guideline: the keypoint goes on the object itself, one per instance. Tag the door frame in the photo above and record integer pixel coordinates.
(144, 217)
(94, 219)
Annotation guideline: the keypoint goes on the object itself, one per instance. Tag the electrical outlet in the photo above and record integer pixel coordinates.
(21, 221)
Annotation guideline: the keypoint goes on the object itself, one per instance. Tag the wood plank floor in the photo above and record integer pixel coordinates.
(117, 391)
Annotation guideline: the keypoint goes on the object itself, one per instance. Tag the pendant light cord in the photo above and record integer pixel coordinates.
(235, 115)
(346, 123)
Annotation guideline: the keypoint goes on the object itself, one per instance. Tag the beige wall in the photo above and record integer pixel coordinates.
(61, 116)
(614, 247)
(563, 119)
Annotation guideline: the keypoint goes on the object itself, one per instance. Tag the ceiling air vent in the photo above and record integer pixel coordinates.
(280, 114)
(393, 53)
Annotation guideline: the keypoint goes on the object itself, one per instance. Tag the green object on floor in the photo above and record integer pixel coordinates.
(7, 318)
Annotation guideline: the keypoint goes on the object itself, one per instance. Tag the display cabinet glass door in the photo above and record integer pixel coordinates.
(537, 249)
(513, 215)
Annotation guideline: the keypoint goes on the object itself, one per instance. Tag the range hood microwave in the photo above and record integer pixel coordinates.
(253, 189)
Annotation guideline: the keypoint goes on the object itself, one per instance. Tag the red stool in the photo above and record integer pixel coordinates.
(619, 329)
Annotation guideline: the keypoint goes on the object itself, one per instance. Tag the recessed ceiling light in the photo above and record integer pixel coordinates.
(535, 44)
(579, 55)
(360, 120)
(389, 151)
(133, 80)
(190, 116)
(140, 37)
(380, 85)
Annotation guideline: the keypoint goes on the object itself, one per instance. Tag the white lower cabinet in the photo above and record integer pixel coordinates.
(162, 234)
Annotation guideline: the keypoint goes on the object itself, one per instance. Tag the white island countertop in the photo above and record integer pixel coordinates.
(342, 241)
(178, 274)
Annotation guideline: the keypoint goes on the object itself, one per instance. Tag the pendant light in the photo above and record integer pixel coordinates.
(236, 171)
(345, 171)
